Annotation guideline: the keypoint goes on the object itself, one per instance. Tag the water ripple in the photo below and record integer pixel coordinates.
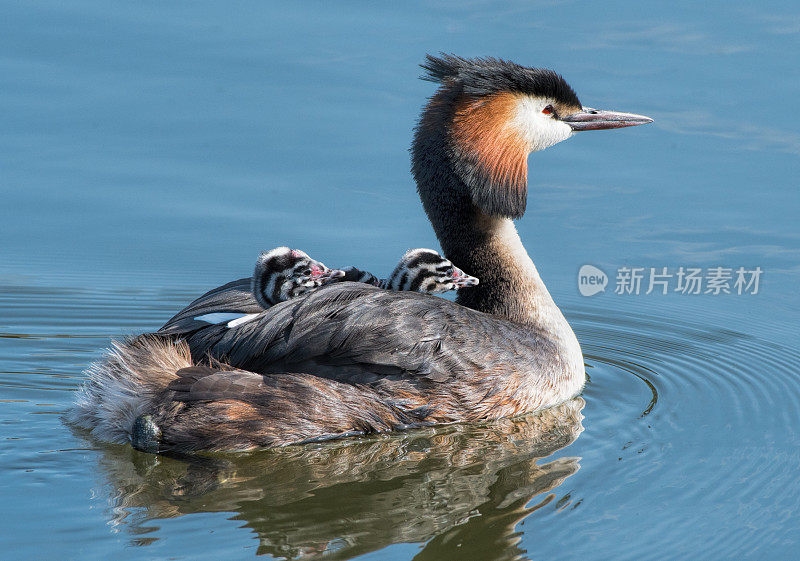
(689, 425)
(705, 414)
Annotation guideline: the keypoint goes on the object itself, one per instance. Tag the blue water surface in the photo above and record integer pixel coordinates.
(149, 151)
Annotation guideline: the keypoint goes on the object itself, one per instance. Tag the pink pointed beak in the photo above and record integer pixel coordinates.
(322, 273)
(461, 279)
(590, 119)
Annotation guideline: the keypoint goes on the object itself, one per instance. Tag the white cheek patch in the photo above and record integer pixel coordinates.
(540, 131)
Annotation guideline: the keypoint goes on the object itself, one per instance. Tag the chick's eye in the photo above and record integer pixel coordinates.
(549, 110)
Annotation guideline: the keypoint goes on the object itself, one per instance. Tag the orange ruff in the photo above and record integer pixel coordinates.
(482, 127)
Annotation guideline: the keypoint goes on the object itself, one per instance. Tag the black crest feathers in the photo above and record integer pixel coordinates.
(486, 76)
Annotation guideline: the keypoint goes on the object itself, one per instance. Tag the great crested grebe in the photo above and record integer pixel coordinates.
(283, 273)
(419, 270)
(350, 358)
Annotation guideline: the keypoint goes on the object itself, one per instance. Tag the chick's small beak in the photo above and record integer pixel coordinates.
(330, 275)
(461, 279)
(589, 119)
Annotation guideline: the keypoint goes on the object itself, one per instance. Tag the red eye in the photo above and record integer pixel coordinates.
(548, 110)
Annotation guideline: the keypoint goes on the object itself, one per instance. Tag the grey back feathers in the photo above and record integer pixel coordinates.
(358, 333)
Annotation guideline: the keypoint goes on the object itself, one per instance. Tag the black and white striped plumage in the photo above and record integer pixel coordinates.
(283, 273)
(419, 270)
(424, 270)
(352, 274)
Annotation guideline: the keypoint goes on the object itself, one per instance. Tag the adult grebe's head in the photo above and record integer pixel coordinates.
(495, 113)
(424, 270)
(283, 273)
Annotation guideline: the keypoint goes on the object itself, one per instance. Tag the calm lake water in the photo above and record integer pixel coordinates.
(148, 153)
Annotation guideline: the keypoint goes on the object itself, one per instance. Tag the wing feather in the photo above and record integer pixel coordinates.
(357, 333)
(234, 297)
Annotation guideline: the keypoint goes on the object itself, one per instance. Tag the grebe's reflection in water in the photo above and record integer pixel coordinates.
(455, 488)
